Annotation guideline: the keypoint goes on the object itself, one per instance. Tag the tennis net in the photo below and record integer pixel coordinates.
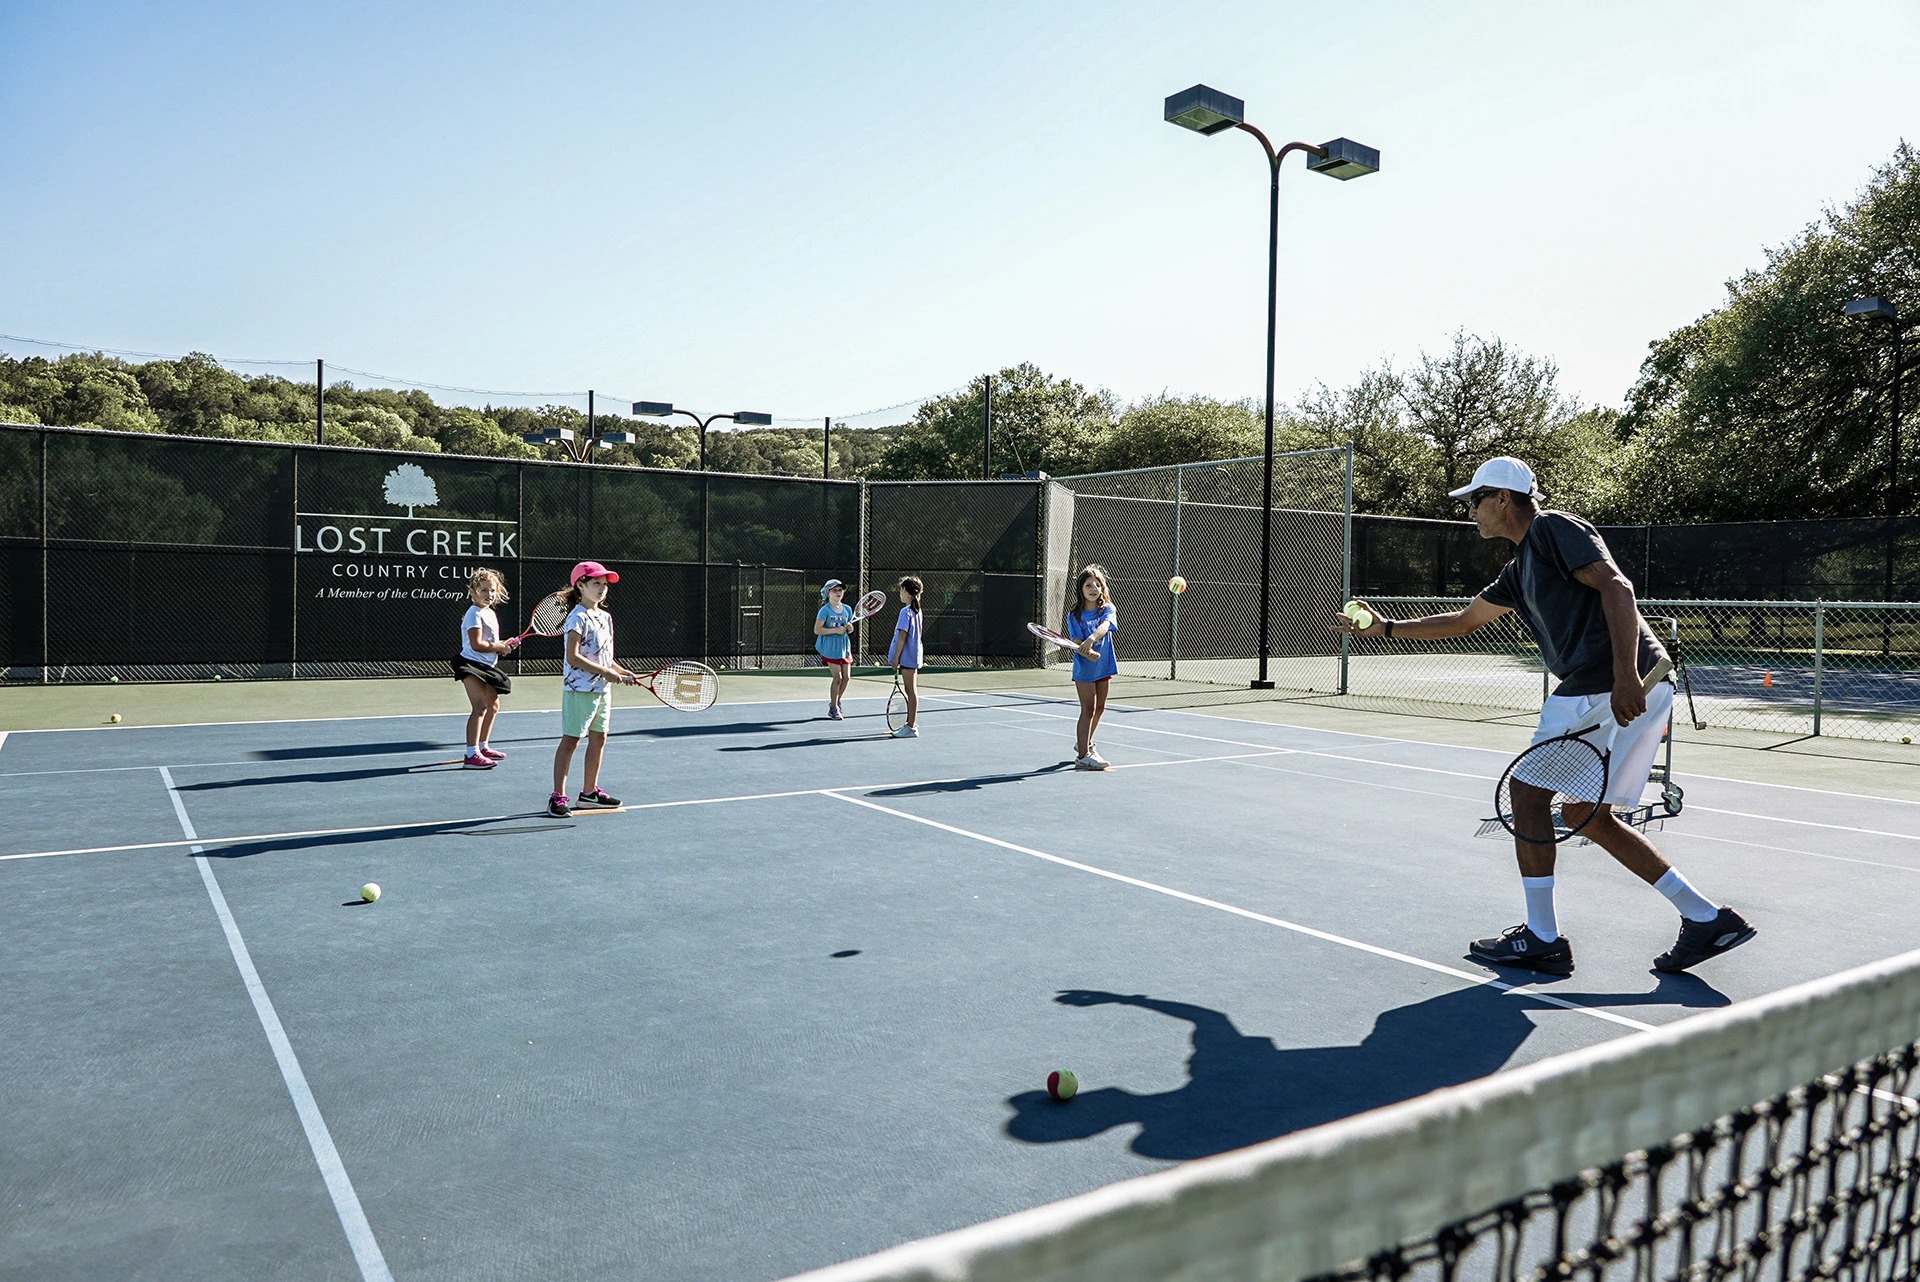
(1775, 1138)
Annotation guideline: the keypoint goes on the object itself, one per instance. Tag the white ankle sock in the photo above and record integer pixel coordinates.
(484, 745)
(1693, 905)
(1540, 918)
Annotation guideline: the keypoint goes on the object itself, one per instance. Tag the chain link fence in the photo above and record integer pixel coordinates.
(1202, 522)
(1789, 668)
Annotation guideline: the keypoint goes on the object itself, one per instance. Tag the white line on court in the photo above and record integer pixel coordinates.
(1417, 743)
(1325, 936)
(346, 1203)
(1457, 774)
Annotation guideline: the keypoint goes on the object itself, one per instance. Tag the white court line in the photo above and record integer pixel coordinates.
(471, 822)
(1458, 774)
(346, 1203)
(1418, 743)
(1405, 958)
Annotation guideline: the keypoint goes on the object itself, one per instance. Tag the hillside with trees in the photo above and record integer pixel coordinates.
(1772, 406)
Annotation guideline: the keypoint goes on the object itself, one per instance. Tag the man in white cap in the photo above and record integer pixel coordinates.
(1581, 610)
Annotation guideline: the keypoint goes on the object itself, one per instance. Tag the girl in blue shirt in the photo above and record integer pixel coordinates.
(832, 631)
(905, 654)
(1092, 621)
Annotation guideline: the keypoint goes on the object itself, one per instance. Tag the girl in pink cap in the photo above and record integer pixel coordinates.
(586, 702)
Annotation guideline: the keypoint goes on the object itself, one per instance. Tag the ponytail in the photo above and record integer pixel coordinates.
(913, 587)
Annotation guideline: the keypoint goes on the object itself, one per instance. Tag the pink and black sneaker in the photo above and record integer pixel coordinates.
(493, 754)
(475, 761)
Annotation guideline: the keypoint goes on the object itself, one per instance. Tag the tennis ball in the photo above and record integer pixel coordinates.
(1062, 1084)
(1176, 585)
(216, 676)
(370, 891)
(1906, 738)
(1360, 616)
(115, 718)
(114, 680)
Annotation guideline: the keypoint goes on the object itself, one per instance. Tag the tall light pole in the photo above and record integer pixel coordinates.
(1208, 111)
(594, 440)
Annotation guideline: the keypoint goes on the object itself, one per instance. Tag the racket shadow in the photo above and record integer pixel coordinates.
(973, 784)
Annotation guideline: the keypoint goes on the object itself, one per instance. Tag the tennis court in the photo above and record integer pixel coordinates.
(797, 999)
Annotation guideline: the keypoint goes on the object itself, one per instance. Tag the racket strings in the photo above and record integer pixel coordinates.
(686, 684)
(549, 615)
(1572, 770)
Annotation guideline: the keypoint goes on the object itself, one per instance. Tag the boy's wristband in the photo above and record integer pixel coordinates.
(1388, 625)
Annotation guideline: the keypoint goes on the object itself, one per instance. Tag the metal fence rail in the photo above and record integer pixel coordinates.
(1846, 669)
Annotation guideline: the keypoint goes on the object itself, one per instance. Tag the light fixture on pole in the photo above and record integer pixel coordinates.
(1206, 110)
(664, 409)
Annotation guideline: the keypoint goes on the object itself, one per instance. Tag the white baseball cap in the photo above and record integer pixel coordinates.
(1503, 473)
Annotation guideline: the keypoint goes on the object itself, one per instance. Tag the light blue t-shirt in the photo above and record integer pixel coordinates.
(1080, 626)
(906, 638)
(835, 645)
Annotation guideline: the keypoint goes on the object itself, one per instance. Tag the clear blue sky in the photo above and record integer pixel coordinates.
(829, 208)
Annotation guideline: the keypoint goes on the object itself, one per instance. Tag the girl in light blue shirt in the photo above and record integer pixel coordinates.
(1092, 621)
(906, 653)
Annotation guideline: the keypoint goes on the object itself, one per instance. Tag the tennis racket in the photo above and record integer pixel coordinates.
(1572, 767)
(547, 618)
(1048, 634)
(683, 685)
(897, 704)
(870, 604)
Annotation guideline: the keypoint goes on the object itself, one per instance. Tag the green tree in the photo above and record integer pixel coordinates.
(1774, 406)
(1168, 429)
(1392, 464)
(1039, 423)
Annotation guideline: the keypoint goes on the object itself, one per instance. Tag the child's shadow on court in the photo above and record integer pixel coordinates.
(1242, 1090)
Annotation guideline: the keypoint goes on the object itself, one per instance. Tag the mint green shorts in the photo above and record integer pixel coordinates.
(585, 711)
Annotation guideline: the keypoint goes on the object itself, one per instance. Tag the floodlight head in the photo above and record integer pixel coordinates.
(653, 409)
(549, 436)
(1873, 309)
(752, 418)
(1345, 159)
(1204, 110)
(617, 438)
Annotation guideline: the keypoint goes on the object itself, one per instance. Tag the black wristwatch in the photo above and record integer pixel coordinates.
(1388, 625)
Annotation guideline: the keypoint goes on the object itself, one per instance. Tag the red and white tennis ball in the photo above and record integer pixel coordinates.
(115, 718)
(1176, 585)
(1062, 1084)
(370, 891)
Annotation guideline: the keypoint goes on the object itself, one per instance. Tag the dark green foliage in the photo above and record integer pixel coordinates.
(1040, 423)
(1775, 406)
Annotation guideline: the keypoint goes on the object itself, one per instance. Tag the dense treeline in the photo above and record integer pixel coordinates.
(1773, 406)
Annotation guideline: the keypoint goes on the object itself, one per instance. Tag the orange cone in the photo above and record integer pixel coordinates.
(1768, 681)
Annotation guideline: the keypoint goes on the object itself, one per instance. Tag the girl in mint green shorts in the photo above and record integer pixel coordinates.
(586, 702)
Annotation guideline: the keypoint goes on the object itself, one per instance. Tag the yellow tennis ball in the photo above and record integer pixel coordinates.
(1906, 738)
(115, 718)
(1176, 585)
(114, 680)
(1062, 1084)
(1361, 617)
(370, 891)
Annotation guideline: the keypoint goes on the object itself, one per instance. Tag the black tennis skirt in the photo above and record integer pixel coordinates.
(463, 667)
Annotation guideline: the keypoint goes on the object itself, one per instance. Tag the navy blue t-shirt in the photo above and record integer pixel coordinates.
(1564, 614)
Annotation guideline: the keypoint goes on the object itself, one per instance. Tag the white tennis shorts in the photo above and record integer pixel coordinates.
(1633, 749)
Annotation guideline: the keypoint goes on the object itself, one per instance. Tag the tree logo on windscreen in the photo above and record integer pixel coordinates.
(409, 487)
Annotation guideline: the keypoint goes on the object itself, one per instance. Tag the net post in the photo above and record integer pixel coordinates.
(1346, 569)
(1173, 640)
(1819, 657)
(866, 515)
(293, 649)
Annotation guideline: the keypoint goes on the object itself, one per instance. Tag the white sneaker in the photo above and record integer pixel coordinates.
(907, 732)
(1099, 762)
(1086, 763)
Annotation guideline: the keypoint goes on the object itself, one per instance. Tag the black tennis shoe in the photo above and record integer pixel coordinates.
(1519, 946)
(598, 797)
(557, 805)
(1700, 940)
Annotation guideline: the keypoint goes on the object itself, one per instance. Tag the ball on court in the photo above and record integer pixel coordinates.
(216, 676)
(370, 891)
(1062, 1084)
(1359, 615)
(114, 680)
(115, 718)
(1906, 738)
(1176, 585)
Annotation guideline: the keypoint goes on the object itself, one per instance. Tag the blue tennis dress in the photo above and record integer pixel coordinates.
(1080, 626)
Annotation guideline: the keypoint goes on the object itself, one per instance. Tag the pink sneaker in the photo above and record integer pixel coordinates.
(477, 762)
(493, 754)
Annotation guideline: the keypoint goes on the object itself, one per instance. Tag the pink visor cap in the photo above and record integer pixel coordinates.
(592, 570)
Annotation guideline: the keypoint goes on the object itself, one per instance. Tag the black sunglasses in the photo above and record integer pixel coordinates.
(1474, 500)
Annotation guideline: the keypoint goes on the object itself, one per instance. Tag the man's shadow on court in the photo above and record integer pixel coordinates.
(1242, 1090)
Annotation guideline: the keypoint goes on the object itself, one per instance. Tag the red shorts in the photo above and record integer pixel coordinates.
(836, 663)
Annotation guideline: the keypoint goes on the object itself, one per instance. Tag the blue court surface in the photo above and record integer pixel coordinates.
(798, 999)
